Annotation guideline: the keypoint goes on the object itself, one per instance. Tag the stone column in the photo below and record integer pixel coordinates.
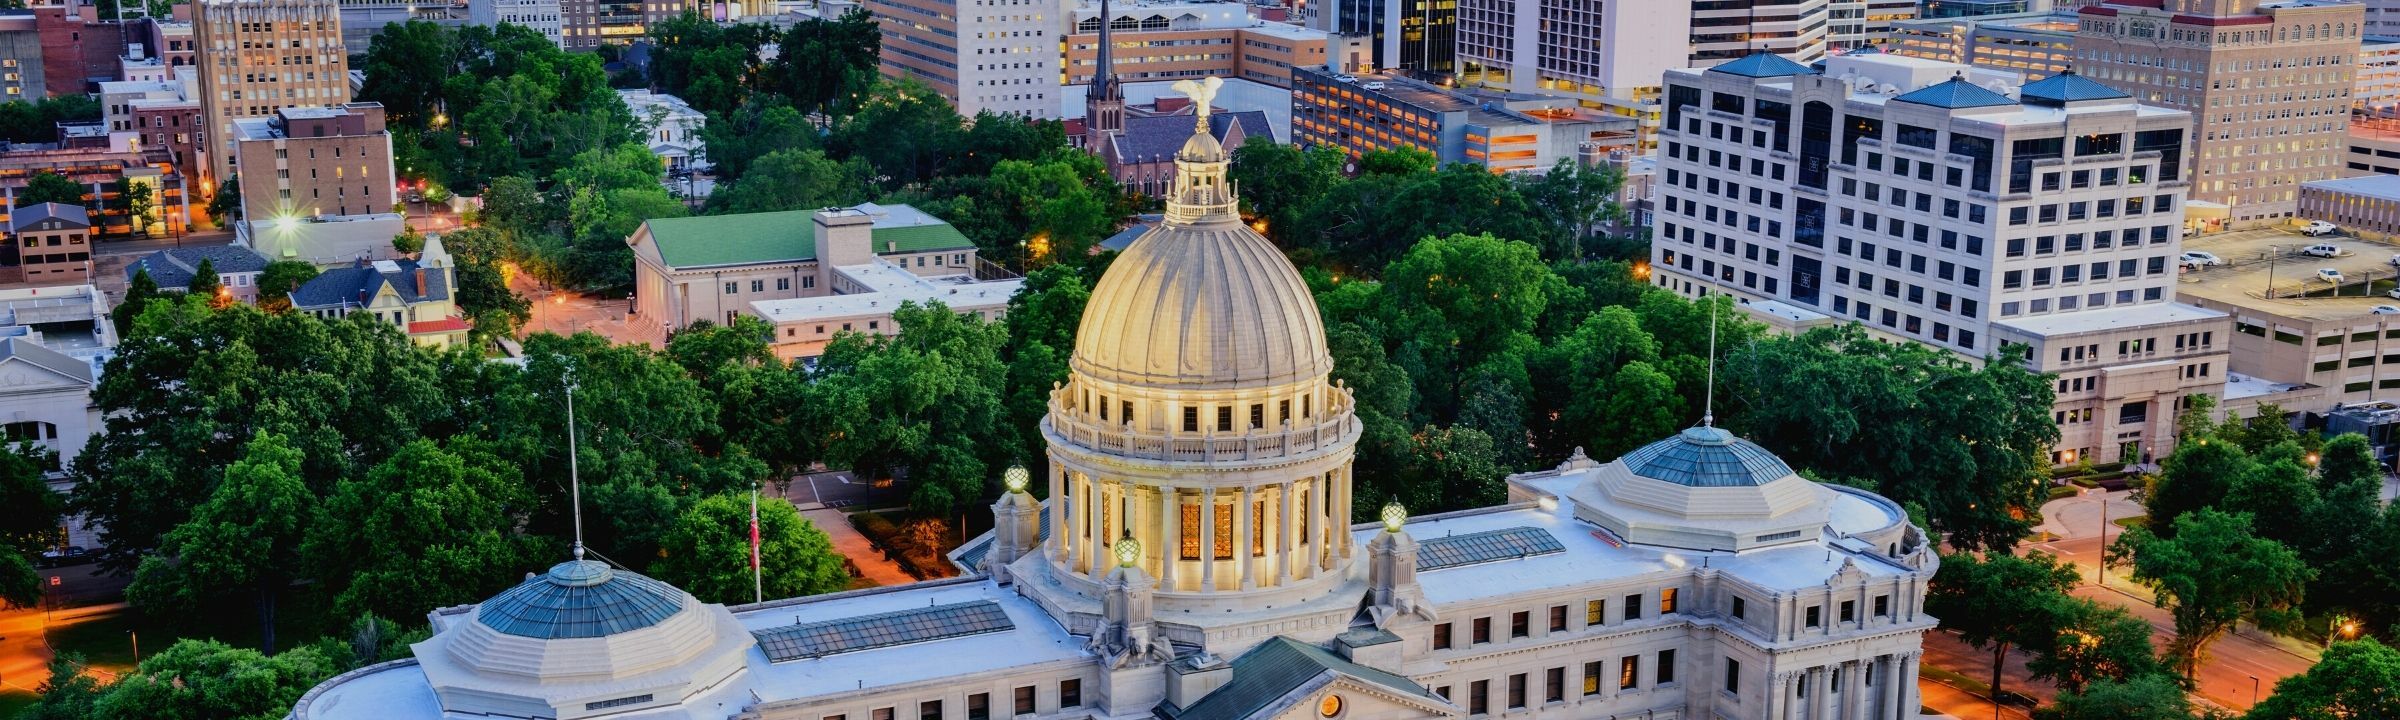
(1820, 693)
(1208, 539)
(1790, 689)
(1854, 691)
(1888, 673)
(1096, 558)
(1340, 510)
(1908, 685)
(1309, 546)
(1075, 501)
(1058, 518)
(1242, 521)
(1170, 522)
(1778, 688)
(1285, 534)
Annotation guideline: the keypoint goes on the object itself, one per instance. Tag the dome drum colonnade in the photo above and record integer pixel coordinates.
(1197, 417)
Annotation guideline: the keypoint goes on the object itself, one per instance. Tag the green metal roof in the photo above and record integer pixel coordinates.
(1274, 669)
(788, 236)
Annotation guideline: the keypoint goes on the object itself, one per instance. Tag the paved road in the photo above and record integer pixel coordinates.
(1960, 704)
(852, 545)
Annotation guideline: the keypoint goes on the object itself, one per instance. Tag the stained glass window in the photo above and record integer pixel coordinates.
(1223, 518)
(1258, 528)
(1191, 530)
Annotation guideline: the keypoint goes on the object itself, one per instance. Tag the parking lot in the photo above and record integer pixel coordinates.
(2260, 259)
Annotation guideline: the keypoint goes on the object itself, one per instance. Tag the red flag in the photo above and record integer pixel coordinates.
(754, 532)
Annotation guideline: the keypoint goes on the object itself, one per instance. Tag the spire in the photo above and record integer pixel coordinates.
(1104, 74)
(1104, 101)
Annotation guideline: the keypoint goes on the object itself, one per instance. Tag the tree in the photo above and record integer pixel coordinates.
(2214, 572)
(2146, 697)
(924, 400)
(708, 552)
(902, 129)
(406, 66)
(2195, 476)
(227, 200)
(1403, 160)
(2353, 679)
(1575, 199)
(1060, 206)
(1968, 441)
(408, 242)
(1278, 180)
(29, 526)
(209, 680)
(764, 125)
(2095, 642)
(138, 294)
(430, 527)
(135, 201)
(20, 583)
(205, 281)
(1999, 601)
(52, 187)
(69, 693)
(279, 279)
(793, 180)
(482, 286)
(245, 535)
(1452, 303)
(827, 64)
(1041, 323)
(37, 122)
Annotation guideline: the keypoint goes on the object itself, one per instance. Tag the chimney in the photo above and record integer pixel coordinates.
(420, 282)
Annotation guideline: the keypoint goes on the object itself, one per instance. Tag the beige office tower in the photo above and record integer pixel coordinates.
(261, 56)
(2267, 84)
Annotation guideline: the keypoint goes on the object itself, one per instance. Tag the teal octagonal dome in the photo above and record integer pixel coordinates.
(1706, 457)
(580, 599)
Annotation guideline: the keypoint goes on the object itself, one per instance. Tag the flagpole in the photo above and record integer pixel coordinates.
(758, 583)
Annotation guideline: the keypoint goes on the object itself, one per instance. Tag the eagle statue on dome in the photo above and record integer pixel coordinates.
(1203, 92)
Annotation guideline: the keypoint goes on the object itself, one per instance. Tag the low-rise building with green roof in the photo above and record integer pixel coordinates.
(713, 267)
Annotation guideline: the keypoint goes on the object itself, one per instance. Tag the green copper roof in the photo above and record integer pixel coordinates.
(1953, 94)
(1273, 670)
(789, 236)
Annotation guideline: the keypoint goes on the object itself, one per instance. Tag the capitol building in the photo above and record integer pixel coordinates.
(1196, 561)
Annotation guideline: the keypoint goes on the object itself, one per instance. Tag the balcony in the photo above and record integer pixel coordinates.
(1327, 432)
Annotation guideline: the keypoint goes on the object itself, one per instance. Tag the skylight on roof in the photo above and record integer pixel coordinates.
(867, 632)
(1483, 547)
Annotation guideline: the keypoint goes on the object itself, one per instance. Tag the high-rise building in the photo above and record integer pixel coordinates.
(1938, 9)
(587, 24)
(1176, 39)
(1502, 132)
(261, 56)
(2268, 86)
(2383, 17)
(1925, 202)
(1418, 36)
(316, 162)
(1616, 50)
(1794, 29)
(997, 55)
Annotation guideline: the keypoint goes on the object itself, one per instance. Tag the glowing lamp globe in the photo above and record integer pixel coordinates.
(1129, 551)
(1014, 478)
(1394, 516)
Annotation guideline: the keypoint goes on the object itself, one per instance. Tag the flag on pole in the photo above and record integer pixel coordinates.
(758, 582)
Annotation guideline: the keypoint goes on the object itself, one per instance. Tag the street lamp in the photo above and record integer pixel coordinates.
(2254, 690)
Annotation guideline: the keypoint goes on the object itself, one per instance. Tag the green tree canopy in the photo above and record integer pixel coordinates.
(2354, 679)
(707, 552)
(279, 279)
(209, 680)
(245, 536)
(430, 527)
(2146, 697)
(50, 187)
(927, 400)
(1999, 601)
(2213, 573)
(797, 179)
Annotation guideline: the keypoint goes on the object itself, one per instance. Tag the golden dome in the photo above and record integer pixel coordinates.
(1202, 305)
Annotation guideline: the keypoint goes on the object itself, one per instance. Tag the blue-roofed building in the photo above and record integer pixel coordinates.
(413, 295)
(1957, 207)
(237, 268)
(1195, 559)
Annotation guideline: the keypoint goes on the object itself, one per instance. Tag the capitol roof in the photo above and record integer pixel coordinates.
(1706, 457)
(580, 599)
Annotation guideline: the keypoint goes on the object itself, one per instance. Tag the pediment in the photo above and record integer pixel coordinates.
(1359, 700)
(18, 375)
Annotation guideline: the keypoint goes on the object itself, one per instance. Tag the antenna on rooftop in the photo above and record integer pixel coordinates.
(1708, 415)
(574, 471)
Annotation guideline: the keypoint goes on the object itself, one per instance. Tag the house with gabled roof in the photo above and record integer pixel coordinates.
(413, 295)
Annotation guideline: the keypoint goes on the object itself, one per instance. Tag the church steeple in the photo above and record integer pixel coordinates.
(1104, 103)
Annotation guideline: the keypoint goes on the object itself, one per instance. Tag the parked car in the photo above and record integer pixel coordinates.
(1373, 85)
(2196, 259)
(2395, 261)
(2319, 228)
(2323, 250)
(1345, 78)
(62, 557)
(2329, 275)
(2191, 231)
(2394, 294)
(2387, 310)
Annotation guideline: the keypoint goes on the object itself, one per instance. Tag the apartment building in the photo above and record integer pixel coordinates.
(2037, 45)
(48, 243)
(543, 16)
(1184, 39)
(588, 24)
(1939, 203)
(1500, 131)
(315, 162)
(997, 55)
(259, 57)
(1795, 29)
(2268, 85)
(1615, 51)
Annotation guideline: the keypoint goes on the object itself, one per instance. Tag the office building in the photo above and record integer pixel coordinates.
(21, 75)
(1943, 9)
(1184, 568)
(870, 281)
(2267, 84)
(2036, 45)
(48, 244)
(316, 162)
(165, 117)
(1504, 132)
(1415, 36)
(588, 24)
(1615, 52)
(541, 15)
(997, 55)
(1178, 39)
(1942, 204)
(1855, 24)
(259, 57)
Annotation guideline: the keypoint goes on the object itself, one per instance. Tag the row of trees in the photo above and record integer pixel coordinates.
(37, 121)
(1358, 223)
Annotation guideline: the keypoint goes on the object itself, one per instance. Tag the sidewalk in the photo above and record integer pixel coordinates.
(850, 544)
